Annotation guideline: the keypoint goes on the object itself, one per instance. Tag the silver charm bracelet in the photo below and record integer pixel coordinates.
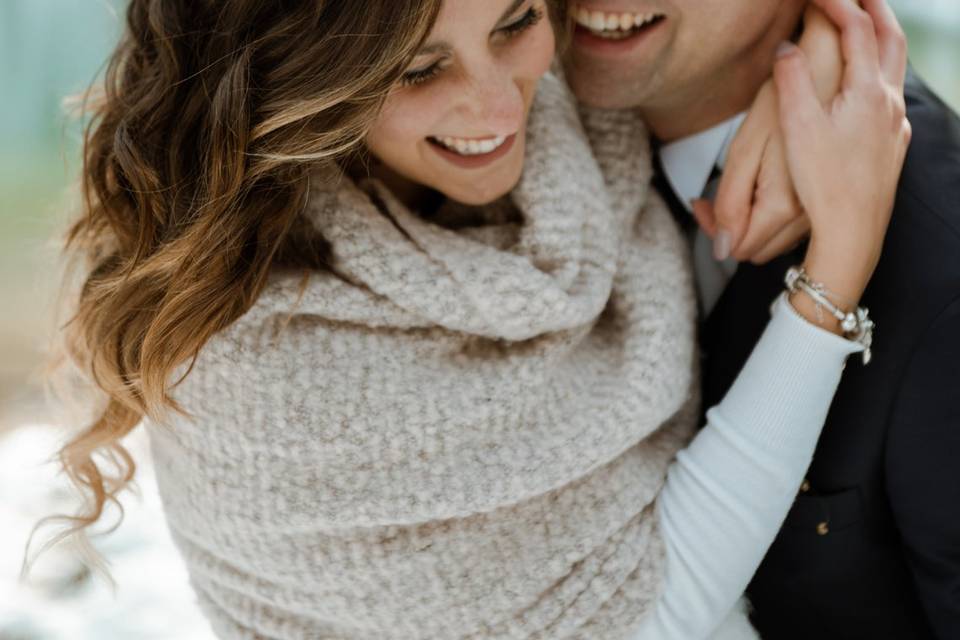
(856, 325)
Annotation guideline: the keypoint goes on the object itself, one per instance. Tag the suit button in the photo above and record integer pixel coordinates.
(823, 529)
(805, 486)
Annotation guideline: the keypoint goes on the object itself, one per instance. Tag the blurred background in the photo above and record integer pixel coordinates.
(49, 49)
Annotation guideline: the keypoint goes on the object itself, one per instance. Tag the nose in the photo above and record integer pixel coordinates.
(492, 102)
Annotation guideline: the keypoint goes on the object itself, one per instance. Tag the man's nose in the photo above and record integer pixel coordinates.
(494, 102)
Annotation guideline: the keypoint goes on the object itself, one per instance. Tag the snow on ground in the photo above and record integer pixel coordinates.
(62, 600)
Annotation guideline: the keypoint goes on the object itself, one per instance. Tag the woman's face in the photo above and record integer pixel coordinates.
(456, 121)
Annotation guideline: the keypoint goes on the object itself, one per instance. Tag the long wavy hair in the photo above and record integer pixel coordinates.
(209, 119)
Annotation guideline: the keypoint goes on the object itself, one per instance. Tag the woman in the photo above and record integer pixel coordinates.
(429, 360)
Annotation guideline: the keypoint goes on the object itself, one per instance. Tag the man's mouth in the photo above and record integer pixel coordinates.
(614, 25)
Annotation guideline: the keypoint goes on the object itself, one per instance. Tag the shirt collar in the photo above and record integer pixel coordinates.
(688, 162)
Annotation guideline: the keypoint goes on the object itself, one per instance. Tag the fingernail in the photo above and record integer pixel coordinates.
(721, 245)
(785, 48)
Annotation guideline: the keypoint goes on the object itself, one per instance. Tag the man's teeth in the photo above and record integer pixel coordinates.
(467, 147)
(614, 26)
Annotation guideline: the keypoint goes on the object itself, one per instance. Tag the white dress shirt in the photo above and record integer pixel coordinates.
(688, 163)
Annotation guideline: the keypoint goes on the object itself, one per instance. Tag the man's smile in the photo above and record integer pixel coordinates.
(613, 25)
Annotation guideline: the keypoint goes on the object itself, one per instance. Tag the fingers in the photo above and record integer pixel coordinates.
(800, 110)
(789, 237)
(734, 198)
(821, 42)
(891, 41)
(775, 203)
(767, 223)
(858, 40)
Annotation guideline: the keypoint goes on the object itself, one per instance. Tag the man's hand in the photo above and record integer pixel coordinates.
(845, 158)
(756, 215)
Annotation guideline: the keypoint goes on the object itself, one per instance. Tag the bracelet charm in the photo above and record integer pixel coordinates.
(856, 325)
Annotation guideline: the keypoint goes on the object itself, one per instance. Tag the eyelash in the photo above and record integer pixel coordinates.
(411, 78)
(529, 19)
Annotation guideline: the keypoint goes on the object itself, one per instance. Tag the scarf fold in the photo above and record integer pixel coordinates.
(461, 430)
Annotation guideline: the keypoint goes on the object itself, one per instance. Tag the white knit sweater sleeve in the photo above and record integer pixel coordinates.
(728, 493)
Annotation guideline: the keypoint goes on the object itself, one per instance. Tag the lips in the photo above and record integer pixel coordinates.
(469, 146)
(613, 25)
(472, 153)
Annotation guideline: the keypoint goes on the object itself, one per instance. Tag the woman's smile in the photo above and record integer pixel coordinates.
(472, 153)
(461, 104)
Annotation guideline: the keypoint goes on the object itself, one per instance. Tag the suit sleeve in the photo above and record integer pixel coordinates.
(923, 470)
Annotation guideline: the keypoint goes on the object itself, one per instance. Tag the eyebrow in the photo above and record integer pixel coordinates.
(444, 47)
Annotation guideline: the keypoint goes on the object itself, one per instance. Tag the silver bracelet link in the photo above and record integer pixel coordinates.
(856, 325)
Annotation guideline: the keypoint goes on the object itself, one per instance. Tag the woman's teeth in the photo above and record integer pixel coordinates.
(613, 26)
(467, 147)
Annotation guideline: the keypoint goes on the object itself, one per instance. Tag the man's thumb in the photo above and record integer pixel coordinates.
(800, 110)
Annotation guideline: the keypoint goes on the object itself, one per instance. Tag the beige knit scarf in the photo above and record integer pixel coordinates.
(461, 433)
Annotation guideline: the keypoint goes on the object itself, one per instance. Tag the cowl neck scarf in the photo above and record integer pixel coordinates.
(459, 431)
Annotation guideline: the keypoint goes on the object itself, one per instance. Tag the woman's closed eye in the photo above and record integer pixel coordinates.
(530, 17)
(418, 76)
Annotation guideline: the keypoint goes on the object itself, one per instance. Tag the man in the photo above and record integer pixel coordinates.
(871, 547)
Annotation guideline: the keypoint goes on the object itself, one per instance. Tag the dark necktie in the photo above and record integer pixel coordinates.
(713, 183)
(683, 216)
(660, 182)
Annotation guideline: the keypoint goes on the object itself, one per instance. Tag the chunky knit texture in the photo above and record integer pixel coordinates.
(462, 431)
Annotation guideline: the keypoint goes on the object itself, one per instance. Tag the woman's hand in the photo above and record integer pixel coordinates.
(756, 206)
(845, 158)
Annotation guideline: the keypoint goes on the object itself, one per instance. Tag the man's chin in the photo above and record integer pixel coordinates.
(598, 101)
(602, 95)
(607, 85)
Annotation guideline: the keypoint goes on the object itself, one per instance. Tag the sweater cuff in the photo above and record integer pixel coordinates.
(784, 392)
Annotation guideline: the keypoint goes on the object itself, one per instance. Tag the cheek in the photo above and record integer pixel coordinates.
(407, 117)
(531, 59)
(713, 30)
(536, 53)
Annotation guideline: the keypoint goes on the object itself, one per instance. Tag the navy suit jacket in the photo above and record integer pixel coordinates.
(871, 546)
